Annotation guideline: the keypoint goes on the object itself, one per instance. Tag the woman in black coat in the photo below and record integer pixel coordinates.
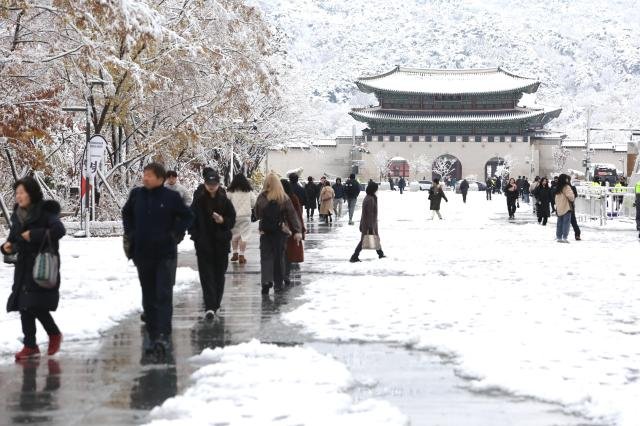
(543, 196)
(436, 194)
(31, 220)
(368, 220)
(511, 191)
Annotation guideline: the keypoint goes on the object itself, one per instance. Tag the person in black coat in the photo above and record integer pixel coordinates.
(211, 234)
(464, 189)
(298, 189)
(543, 196)
(312, 192)
(574, 221)
(436, 194)
(511, 191)
(154, 217)
(402, 184)
(35, 224)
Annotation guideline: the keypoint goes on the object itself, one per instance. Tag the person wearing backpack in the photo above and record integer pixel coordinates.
(211, 233)
(278, 220)
(35, 224)
(351, 191)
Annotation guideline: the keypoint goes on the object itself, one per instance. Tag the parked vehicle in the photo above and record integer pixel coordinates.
(425, 185)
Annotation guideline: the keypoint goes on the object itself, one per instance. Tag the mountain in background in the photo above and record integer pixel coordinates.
(584, 52)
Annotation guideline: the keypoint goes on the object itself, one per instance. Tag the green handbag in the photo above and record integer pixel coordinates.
(46, 265)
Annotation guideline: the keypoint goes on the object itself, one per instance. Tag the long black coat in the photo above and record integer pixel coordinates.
(436, 194)
(543, 198)
(312, 192)
(25, 293)
(369, 217)
(209, 237)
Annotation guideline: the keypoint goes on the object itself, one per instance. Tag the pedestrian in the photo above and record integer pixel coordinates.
(532, 191)
(298, 189)
(402, 184)
(327, 196)
(526, 187)
(351, 192)
(436, 194)
(489, 189)
(201, 189)
(391, 184)
(464, 188)
(211, 232)
(172, 183)
(294, 252)
(498, 185)
(563, 199)
(339, 198)
(543, 197)
(241, 195)
(153, 218)
(368, 221)
(511, 192)
(35, 226)
(636, 204)
(553, 185)
(574, 221)
(311, 190)
(278, 220)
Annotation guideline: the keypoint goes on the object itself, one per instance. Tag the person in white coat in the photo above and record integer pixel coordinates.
(243, 199)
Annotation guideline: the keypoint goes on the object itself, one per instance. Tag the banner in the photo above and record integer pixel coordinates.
(97, 146)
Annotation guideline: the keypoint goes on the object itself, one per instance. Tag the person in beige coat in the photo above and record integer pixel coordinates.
(564, 198)
(326, 202)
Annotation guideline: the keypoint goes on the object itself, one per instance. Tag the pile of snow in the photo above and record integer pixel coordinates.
(99, 288)
(516, 310)
(259, 384)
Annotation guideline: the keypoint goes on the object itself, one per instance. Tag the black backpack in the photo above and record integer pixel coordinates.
(271, 218)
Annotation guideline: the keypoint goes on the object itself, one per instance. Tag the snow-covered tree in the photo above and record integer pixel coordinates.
(382, 161)
(444, 166)
(503, 169)
(560, 156)
(419, 165)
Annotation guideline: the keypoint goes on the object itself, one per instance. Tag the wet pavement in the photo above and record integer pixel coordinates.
(110, 382)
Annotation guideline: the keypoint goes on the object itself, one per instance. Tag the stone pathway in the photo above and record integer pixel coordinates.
(107, 382)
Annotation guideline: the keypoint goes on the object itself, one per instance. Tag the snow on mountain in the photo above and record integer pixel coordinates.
(584, 52)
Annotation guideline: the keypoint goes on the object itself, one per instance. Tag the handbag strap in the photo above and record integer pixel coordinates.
(45, 240)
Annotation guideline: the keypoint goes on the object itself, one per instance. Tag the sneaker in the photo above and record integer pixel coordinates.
(235, 257)
(54, 344)
(565, 241)
(209, 315)
(28, 353)
(242, 260)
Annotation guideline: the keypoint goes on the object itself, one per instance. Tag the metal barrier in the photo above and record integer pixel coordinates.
(605, 204)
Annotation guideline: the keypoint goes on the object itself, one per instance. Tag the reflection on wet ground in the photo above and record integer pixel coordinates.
(112, 382)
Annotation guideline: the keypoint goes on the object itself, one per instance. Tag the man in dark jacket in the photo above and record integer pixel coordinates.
(464, 188)
(489, 189)
(351, 192)
(153, 218)
(298, 189)
(402, 184)
(338, 199)
(312, 192)
(574, 221)
(211, 233)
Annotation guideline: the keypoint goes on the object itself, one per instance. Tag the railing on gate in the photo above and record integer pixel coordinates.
(605, 203)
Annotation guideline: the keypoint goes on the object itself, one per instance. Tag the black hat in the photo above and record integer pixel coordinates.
(212, 177)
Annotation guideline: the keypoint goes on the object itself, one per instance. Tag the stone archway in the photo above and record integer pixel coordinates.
(492, 167)
(446, 167)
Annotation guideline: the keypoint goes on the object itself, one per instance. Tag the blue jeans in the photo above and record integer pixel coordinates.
(563, 225)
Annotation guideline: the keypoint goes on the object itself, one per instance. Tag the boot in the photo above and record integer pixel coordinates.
(27, 353)
(266, 287)
(234, 258)
(54, 344)
(242, 260)
(354, 258)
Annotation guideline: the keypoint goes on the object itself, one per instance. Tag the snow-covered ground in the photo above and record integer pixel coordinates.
(258, 384)
(516, 310)
(99, 288)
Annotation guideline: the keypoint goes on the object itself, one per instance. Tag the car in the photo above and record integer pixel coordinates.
(425, 185)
